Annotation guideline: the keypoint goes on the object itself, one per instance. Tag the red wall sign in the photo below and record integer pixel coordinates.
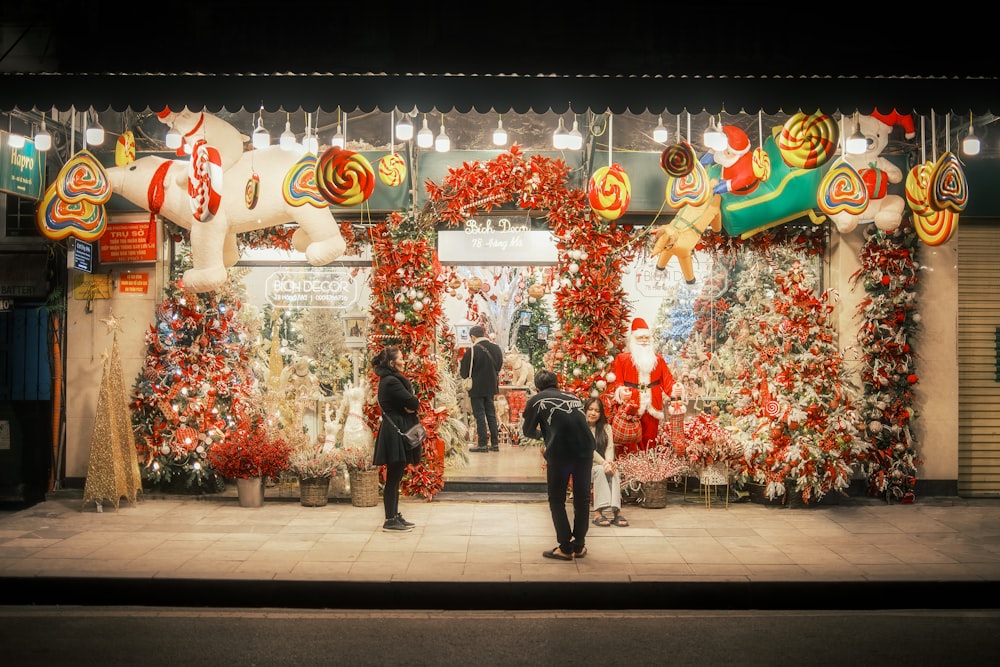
(128, 242)
(133, 283)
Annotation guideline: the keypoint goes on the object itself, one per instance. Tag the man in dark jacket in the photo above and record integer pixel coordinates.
(558, 418)
(486, 359)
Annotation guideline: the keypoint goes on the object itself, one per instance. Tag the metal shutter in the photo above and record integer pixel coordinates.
(978, 385)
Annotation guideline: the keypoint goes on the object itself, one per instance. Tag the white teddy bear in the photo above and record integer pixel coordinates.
(877, 172)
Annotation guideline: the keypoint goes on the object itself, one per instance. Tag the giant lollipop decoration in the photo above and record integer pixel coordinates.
(610, 192)
(343, 177)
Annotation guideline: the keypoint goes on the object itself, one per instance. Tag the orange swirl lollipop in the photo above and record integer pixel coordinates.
(948, 188)
(299, 187)
(609, 192)
(692, 189)
(392, 169)
(918, 182)
(807, 141)
(936, 228)
(678, 159)
(343, 177)
(842, 190)
(83, 179)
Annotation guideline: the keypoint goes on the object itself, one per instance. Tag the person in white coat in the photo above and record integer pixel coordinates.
(605, 480)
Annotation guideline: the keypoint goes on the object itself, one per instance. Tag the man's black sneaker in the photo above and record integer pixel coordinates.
(394, 524)
(479, 449)
(494, 449)
(408, 524)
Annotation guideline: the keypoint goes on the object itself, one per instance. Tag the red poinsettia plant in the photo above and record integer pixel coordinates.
(248, 451)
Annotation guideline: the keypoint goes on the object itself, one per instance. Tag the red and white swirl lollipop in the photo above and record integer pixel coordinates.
(918, 183)
(610, 192)
(204, 181)
(343, 177)
(392, 169)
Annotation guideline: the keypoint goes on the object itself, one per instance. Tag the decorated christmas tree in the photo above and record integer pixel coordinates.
(795, 409)
(526, 329)
(195, 386)
(889, 320)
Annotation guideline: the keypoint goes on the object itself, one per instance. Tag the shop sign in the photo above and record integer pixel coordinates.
(128, 243)
(319, 288)
(21, 169)
(497, 240)
(83, 256)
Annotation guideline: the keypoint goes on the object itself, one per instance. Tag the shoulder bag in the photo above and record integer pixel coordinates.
(467, 382)
(413, 437)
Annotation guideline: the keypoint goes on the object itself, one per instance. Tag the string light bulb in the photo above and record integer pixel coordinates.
(43, 140)
(660, 133)
(560, 138)
(425, 138)
(442, 144)
(404, 128)
(95, 133)
(499, 134)
(287, 138)
(857, 143)
(574, 140)
(260, 136)
(971, 143)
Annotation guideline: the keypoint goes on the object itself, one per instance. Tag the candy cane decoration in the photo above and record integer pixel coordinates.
(204, 181)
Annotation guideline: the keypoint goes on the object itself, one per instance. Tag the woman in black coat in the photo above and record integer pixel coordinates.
(399, 408)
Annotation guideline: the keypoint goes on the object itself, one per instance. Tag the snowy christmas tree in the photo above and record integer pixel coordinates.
(795, 408)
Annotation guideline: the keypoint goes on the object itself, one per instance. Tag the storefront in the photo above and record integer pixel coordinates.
(130, 277)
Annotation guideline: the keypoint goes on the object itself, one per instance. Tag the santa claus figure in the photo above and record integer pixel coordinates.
(736, 162)
(642, 370)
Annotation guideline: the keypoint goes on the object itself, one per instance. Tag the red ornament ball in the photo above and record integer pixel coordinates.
(885, 280)
(912, 378)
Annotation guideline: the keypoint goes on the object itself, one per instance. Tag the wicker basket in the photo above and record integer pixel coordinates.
(364, 488)
(654, 494)
(313, 491)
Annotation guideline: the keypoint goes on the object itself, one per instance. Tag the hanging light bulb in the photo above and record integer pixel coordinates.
(174, 138)
(660, 133)
(43, 140)
(260, 136)
(309, 141)
(425, 138)
(287, 138)
(404, 128)
(15, 140)
(95, 133)
(857, 143)
(442, 144)
(560, 138)
(971, 144)
(714, 137)
(338, 140)
(499, 134)
(574, 140)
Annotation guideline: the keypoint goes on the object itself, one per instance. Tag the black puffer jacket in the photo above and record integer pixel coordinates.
(395, 396)
(558, 418)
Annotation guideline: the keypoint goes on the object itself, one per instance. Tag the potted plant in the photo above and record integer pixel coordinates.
(649, 471)
(250, 456)
(363, 475)
(315, 466)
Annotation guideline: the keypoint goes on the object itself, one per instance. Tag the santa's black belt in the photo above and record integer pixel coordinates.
(642, 386)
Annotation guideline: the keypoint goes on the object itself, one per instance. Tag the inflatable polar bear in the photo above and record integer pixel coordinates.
(213, 242)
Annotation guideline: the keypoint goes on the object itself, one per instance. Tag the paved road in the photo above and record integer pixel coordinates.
(154, 636)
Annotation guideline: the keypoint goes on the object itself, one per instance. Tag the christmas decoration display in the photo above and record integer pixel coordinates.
(125, 149)
(249, 451)
(113, 468)
(681, 236)
(691, 188)
(708, 443)
(876, 173)
(678, 160)
(198, 125)
(152, 184)
(735, 162)
(889, 276)
(936, 193)
(655, 464)
(794, 410)
(610, 192)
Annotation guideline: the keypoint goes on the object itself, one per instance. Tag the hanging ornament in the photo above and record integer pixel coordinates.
(251, 193)
(125, 149)
(610, 192)
(475, 284)
(343, 177)
(392, 169)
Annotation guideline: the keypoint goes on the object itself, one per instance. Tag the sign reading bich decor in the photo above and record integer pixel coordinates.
(128, 243)
(497, 240)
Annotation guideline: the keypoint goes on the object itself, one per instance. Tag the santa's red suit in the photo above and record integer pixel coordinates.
(736, 160)
(652, 387)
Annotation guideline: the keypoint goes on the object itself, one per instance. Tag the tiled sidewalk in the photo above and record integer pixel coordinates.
(469, 548)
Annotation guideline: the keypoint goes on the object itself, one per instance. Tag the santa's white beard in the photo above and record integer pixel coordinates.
(644, 358)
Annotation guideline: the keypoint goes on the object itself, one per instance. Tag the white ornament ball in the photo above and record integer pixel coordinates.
(594, 393)
(601, 384)
(418, 306)
(574, 268)
(399, 317)
(574, 254)
(611, 377)
(165, 449)
(576, 372)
